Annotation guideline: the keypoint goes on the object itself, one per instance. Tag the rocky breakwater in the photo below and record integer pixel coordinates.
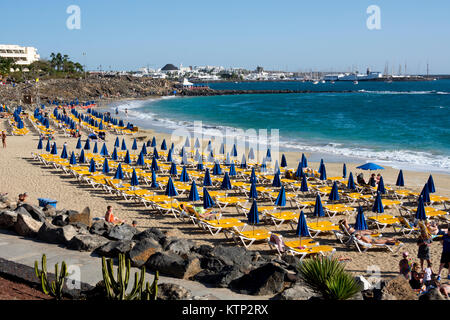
(88, 89)
(224, 266)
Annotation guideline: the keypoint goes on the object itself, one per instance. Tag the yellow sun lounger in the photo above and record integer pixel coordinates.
(247, 238)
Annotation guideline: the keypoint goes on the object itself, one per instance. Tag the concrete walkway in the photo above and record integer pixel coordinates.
(16, 250)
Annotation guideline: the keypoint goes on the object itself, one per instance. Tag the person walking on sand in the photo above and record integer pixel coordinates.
(4, 139)
(424, 243)
(445, 257)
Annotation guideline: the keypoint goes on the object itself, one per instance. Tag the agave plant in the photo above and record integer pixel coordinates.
(329, 277)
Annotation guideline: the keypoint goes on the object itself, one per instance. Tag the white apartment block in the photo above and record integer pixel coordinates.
(21, 55)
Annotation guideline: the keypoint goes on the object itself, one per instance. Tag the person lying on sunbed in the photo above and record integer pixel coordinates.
(352, 230)
(369, 240)
(200, 212)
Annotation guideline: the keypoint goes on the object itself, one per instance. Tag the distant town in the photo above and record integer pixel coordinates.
(189, 75)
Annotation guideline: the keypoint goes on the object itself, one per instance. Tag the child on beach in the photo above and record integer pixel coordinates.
(424, 249)
(416, 281)
(4, 139)
(405, 266)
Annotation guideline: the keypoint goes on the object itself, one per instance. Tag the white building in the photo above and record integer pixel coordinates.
(21, 55)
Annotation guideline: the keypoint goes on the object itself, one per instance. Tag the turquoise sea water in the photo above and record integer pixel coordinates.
(405, 124)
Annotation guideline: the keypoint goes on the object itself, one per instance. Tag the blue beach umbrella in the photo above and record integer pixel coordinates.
(154, 143)
(154, 183)
(184, 159)
(207, 179)
(268, 155)
(54, 149)
(119, 172)
(276, 169)
(425, 194)
(117, 142)
(193, 193)
(170, 189)
(127, 158)
(351, 182)
(79, 146)
(164, 145)
(64, 154)
(200, 164)
(184, 177)
(197, 155)
(251, 154)
(134, 146)
(226, 183)
(381, 189)
(104, 151)
(322, 171)
(234, 151)
(253, 178)
(73, 159)
(105, 166)
(114, 155)
(344, 171)
(92, 167)
(361, 223)
(253, 214)
(211, 157)
(154, 166)
(430, 183)
(222, 149)
(172, 146)
(253, 192)
(169, 156)
(281, 198)
(302, 227)
(232, 170)
(370, 166)
(216, 169)
(228, 160)
(173, 169)
(400, 181)
(187, 143)
(378, 204)
(208, 147)
(40, 146)
(87, 145)
(299, 171)
(207, 200)
(318, 207)
(263, 166)
(197, 143)
(124, 145)
(134, 179)
(82, 158)
(276, 180)
(334, 194)
(144, 149)
(140, 161)
(304, 161)
(420, 212)
(243, 164)
(95, 150)
(47, 147)
(283, 161)
(304, 185)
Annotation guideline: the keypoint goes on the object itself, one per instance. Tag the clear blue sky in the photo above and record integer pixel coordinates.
(285, 34)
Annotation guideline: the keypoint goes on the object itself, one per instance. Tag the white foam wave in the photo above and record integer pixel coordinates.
(404, 159)
(403, 92)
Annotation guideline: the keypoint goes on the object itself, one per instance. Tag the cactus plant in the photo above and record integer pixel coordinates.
(116, 288)
(53, 288)
(151, 292)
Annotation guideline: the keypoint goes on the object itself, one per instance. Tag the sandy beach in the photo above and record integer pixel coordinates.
(22, 174)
